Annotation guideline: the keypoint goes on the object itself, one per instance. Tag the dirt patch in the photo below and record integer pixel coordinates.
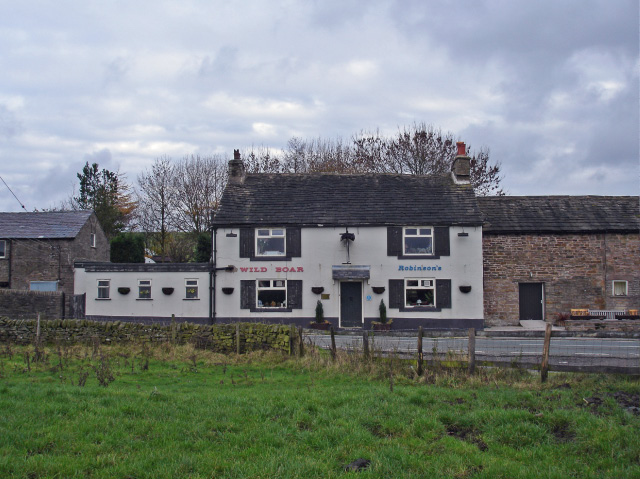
(466, 434)
(563, 433)
(630, 402)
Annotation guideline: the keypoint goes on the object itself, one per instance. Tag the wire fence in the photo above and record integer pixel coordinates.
(577, 353)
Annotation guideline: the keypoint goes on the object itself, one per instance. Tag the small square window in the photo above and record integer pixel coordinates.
(103, 288)
(270, 242)
(619, 288)
(417, 241)
(272, 293)
(3, 248)
(419, 292)
(191, 289)
(144, 289)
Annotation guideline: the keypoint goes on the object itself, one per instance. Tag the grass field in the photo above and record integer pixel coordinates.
(177, 412)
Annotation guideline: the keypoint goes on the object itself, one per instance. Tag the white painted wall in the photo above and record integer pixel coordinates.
(322, 248)
(159, 306)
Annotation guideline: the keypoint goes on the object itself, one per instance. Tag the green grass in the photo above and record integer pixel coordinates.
(194, 414)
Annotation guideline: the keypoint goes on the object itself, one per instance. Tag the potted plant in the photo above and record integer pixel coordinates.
(385, 323)
(320, 323)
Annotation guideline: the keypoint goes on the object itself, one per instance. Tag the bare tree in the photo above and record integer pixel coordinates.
(200, 182)
(158, 203)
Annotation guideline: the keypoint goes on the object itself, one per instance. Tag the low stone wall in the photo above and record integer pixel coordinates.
(24, 304)
(219, 337)
(600, 325)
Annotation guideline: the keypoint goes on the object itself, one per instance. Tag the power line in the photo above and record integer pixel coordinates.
(14, 195)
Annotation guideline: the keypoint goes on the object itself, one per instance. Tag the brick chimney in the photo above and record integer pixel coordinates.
(237, 173)
(461, 168)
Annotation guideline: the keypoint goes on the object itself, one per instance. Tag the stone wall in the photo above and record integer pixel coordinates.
(22, 304)
(576, 270)
(221, 338)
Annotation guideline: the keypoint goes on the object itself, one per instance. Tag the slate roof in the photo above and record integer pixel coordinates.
(560, 214)
(45, 225)
(347, 199)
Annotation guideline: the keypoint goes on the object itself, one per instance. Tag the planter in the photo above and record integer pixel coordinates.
(381, 327)
(317, 289)
(124, 290)
(167, 291)
(320, 326)
(227, 290)
(378, 289)
(465, 289)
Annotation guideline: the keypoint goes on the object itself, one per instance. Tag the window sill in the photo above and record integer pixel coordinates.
(190, 299)
(419, 256)
(270, 258)
(270, 310)
(144, 299)
(422, 309)
(103, 299)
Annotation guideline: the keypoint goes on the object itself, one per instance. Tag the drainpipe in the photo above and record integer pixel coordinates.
(10, 258)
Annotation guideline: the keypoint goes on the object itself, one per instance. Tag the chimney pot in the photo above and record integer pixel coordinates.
(462, 148)
(236, 154)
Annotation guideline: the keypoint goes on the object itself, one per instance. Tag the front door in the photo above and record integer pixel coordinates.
(531, 301)
(350, 304)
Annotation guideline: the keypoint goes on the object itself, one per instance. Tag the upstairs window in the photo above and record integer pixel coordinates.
(3, 249)
(270, 242)
(144, 289)
(419, 292)
(417, 241)
(191, 289)
(103, 288)
(272, 293)
(619, 288)
(92, 240)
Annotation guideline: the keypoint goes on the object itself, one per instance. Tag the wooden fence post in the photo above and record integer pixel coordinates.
(300, 342)
(292, 340)
(38, 329)
(333, 343)
(544, 367)
(365, 344)
(237, 338)
(471, 350)
(420, 353)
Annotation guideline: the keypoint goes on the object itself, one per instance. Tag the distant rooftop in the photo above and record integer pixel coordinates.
(45, 225)
(560, 214)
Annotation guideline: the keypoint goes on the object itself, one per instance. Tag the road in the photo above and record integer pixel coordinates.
(563, 351)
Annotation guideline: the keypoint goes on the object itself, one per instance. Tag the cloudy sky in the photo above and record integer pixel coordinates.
(550, 87)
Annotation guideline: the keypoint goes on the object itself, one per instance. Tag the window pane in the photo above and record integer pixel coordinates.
(271, 246)
(620, 288)
(103, 289)
(2, 248)
(418, 245)
(264, 284)
(410, 231)
(191, 292)
(278, 283)
(412, 282)
(277, 232)
(427, 282)
(263, 232)
(272, 298)
(419, 297)
(144, 289)
(425, 231)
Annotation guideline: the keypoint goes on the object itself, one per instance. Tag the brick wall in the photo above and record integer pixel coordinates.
(21, 304)
(577, 272)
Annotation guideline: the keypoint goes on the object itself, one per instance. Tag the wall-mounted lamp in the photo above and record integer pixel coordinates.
(231, 234)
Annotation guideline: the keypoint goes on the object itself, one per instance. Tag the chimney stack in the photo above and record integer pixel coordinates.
(461, 168)
(237, 173)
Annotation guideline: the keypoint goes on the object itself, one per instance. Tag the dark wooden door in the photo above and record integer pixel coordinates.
(350, 304)
(531, 306)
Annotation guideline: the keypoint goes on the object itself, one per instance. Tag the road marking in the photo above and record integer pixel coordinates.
(592, 354)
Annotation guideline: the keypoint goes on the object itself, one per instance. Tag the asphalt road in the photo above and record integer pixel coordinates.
(563, 351)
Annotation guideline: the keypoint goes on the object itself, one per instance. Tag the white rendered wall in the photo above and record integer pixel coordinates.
(322, 248)
(129, 305)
